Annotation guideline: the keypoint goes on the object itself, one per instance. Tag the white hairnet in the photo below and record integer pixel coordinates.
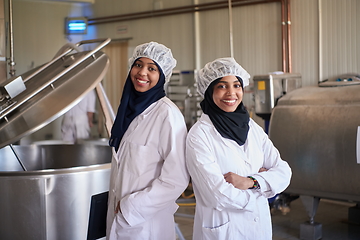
(219, 68)
(158, 53)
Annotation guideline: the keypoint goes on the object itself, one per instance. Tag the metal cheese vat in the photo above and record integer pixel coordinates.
(52, 199)
(51, 191)
(316, 130)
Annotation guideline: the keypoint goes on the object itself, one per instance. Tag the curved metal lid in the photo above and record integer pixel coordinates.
(342, 80)
(51, 90)
(314, 95)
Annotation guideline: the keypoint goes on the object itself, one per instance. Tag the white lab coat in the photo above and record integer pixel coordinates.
(224, 212)
(148, 174)
(75, 123)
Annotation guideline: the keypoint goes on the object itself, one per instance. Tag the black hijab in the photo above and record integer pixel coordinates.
(132, 104)
(231, 125)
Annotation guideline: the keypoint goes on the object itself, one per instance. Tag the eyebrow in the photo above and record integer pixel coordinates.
(153, 63)
(227, 82)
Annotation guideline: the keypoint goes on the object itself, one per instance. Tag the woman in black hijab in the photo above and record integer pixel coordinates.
(233, 165)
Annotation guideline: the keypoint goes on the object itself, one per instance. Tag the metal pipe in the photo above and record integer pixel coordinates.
(286, 47)
(195, 9)
(283, 36)
(197, 38)
(173, 11)
(106, 108)
(11, 63)
(320, 66)
(289, 36)
(17, 157)
(231, 30)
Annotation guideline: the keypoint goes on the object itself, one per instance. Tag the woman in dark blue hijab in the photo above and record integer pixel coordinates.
(148, 171)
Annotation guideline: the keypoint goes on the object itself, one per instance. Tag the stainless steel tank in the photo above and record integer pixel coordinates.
(52, 191)
(52, 199)
(317, 131)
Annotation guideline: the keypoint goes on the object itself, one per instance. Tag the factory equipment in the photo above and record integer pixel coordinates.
(269, 88)
(47, 191)
(317, 131)
(182, 91)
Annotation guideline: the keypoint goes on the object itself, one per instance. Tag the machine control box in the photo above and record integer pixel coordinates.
(269, 88)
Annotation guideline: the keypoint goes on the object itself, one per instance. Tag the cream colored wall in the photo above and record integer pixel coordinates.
(38, 35)
(39, 31)
(256, 36)
(324, 42)
(325, 38)
(305, 40)
(175, 32)
(339, 31)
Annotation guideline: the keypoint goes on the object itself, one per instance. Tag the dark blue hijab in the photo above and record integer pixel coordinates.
(231, 125)
(132, 104)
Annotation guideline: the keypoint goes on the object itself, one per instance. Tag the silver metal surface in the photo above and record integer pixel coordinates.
(52, 199)
(315, 130)
(271, 87)
(106, 108)
(342, 80)
(11, 40)
(46, 190)
(182, 91)
(12, 87)
(51, 91)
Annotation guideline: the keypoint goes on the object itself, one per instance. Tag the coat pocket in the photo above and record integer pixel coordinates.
(218, 233)
(139, 159)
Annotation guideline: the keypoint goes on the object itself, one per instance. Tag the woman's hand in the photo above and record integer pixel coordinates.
(263, 169)
(117, 209)
(238, 181)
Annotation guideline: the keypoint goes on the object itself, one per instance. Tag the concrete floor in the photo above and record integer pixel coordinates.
(333, 216)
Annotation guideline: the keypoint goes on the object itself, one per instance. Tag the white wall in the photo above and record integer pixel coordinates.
(324, 33)
(39, 31)
(324, 43)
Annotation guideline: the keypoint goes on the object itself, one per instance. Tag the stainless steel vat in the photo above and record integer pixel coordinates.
(316, 132)
(51, 200)
(50, 91)
(47, 191)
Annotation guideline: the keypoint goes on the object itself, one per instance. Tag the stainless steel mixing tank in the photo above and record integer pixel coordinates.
(46, 192)
(51, 200)
(317, 131)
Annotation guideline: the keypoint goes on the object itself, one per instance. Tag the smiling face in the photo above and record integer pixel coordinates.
(228, 93)
(144, 74)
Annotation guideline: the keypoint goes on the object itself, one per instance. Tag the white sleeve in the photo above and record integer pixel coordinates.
(278, 176)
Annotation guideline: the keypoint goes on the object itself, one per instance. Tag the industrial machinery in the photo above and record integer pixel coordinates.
(317, 131)
(269, 88)
(182, 91)
(47, 191)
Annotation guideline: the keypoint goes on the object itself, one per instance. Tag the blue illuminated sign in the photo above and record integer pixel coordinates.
(76, 25)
